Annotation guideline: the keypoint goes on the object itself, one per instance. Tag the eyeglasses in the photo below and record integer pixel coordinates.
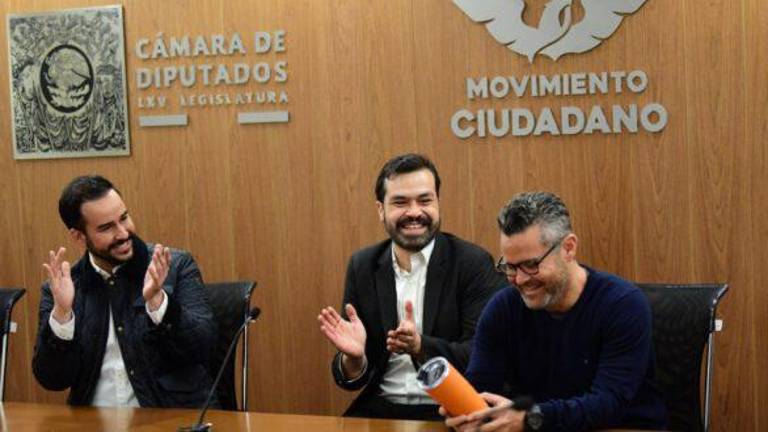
(529, 267)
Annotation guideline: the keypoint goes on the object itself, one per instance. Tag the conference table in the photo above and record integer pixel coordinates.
(32, 417)
(27, 417)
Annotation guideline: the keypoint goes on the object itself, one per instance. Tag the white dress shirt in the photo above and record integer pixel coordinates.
(114, 387)
(399, 382)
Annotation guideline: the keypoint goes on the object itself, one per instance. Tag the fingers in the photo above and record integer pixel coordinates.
(399, 343)
(333, 325)
(494, 399)
(158, 267)
(53, 267)
(161, 258)
(153, 274)
(397, 347)
(402, 332)
(164, 257)
(400, 340)
(65, 270)
(497, 404)
(59, 254)
(351, 312)
(330, 315)
(405, 331)
(329, 318)
(328, 330)
(455, 421)
(342, 334)
(498, 422)
(49, 270)
(409, 310)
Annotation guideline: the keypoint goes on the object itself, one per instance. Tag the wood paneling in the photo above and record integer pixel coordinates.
(752, 344)
(287, 204)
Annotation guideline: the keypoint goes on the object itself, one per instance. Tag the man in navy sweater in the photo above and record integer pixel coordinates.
(576, 340)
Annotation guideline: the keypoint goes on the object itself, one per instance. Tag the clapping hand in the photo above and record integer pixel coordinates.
(62, 288)
(348, 336)
(405, 339)
(155, 277)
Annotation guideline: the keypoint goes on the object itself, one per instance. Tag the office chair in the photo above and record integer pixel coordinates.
(230, 302)
(8, 298)
(683, 324)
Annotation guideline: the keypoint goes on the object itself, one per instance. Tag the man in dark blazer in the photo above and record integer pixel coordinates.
(415, 296)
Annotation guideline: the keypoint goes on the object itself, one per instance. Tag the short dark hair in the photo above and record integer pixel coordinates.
(530, 208)
(404, 164)
(79, 191)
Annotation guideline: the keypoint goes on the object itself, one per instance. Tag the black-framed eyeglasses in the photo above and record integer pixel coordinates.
(529, 267)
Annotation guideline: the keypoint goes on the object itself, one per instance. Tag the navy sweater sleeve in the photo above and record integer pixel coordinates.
(489, 360)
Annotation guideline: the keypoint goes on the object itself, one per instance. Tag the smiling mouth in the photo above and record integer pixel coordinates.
(122, 247)
(530, 290)
(414, 223)
(413, 226)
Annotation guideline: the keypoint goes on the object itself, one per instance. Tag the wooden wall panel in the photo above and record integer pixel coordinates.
(715, 124)
(755, 297)
(287, 204)
(13, 271)
(659, 164)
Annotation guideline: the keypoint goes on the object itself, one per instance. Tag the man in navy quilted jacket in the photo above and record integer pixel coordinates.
(127, 324)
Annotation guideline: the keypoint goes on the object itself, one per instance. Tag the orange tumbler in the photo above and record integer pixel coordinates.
(447, 386)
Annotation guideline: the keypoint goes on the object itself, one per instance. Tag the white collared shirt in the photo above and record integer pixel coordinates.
(114, 387)
(399, 382)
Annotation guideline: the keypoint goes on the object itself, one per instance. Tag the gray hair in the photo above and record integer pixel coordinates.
(531, 208)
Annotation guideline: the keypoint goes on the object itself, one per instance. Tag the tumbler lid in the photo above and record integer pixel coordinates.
(432, 373)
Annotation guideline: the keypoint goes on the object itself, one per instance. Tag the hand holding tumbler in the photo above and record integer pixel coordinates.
(447, 386)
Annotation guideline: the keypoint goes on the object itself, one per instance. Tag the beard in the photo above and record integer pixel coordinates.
(553, 290)
(413, 243)
(106, 254)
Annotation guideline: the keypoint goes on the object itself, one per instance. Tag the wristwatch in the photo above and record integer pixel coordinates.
(533, 420)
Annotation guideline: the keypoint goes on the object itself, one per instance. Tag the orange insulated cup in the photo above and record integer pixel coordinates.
(447, 386)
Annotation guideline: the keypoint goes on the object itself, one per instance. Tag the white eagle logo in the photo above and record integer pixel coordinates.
(555, 35)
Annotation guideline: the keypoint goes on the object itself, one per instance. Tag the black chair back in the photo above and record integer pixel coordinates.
(230, 302)
(8, 298)
(683, 323)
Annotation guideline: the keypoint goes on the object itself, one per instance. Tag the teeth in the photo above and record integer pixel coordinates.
(121, 246)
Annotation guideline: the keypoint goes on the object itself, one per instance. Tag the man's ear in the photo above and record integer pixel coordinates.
(570, 245)
(78, 237)
(380, 209)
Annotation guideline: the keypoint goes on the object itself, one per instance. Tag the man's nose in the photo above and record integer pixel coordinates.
(122, 231)
(520, 277)
(413, 209)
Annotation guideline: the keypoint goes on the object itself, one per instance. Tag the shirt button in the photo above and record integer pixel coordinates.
(119, 329)
(131, 372)
(112, 282)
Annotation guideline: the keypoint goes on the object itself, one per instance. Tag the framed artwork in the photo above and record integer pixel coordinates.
(68, 84)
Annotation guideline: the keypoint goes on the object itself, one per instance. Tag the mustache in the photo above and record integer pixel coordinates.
(529, 284)
(119, 243)
(421, 219)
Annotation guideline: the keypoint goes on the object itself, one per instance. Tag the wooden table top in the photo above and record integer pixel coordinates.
(23, 417)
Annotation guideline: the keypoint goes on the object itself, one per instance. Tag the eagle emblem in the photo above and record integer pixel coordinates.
(556, 34)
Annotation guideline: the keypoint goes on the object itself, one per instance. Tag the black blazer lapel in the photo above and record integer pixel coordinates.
(433, 289)
(385, 290)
